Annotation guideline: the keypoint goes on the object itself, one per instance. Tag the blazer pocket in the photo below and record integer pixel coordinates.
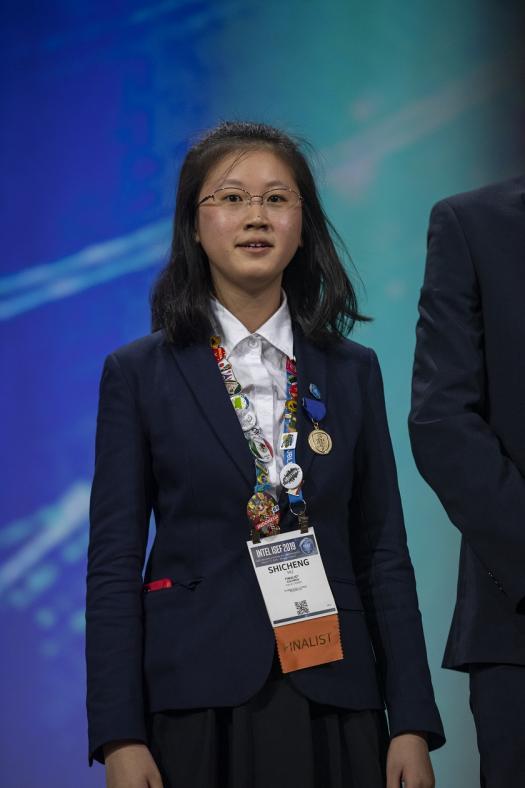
(346, 594)
(176, 589)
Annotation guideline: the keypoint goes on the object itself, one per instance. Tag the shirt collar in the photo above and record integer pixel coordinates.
(277, 330)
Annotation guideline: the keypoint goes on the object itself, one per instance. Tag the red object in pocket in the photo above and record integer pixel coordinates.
(157, 585)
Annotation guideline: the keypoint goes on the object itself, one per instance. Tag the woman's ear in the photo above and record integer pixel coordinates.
(196, 236)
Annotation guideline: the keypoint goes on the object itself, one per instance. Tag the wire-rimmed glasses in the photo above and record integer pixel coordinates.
(234, 199)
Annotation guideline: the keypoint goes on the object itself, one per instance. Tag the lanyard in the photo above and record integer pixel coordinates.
(262, 508)
(292, 474)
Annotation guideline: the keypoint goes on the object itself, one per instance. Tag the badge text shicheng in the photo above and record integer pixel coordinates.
(288, 565)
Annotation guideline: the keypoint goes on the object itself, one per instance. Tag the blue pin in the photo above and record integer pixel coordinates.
(314, 391)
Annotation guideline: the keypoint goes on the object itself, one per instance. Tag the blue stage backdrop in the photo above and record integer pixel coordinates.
(405, 103)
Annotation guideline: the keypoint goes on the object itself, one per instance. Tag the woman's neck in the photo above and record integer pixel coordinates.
(251, 309)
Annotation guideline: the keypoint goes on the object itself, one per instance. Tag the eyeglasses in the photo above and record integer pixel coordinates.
(233, 199)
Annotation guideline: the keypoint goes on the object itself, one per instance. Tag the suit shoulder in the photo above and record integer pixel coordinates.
(494, 196)
(359, 362)
(347, 350)
(140, 351)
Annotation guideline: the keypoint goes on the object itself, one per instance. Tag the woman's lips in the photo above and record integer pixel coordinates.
(255, 247)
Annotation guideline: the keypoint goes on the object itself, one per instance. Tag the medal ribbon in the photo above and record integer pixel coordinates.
(315, 410)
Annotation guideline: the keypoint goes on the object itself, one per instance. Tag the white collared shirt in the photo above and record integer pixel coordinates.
(259, 364)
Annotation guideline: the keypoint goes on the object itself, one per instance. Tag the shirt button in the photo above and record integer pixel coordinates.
(253, 342)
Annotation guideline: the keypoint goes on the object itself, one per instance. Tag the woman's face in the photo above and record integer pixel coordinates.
(248, 247)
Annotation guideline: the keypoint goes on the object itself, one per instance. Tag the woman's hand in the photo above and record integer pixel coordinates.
(130, 765)
(408, 761)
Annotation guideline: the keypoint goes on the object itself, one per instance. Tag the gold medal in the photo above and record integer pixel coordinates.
(320, 441)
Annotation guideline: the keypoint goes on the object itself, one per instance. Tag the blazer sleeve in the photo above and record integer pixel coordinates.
(120, 510)
(454, 447)
(385, 575)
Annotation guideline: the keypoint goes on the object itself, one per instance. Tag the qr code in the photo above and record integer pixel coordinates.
(302, 607)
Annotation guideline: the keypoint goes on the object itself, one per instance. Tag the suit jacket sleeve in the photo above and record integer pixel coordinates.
(385, 575)
(455, 448)
(119, 518)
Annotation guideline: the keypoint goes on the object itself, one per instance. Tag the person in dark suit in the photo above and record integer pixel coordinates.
(467, 428)
(184, 687)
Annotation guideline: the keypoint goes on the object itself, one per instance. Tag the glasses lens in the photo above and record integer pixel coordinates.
(231, 198)
(280, 199)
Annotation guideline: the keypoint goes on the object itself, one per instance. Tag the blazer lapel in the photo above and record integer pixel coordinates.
(199, 368)
(311, 365)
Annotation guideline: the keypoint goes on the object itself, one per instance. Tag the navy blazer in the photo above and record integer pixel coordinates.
(168, 439)
(467, 423)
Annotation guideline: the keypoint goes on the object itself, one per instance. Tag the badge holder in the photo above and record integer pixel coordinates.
(302, 517)
(306, 623)
(304, 525)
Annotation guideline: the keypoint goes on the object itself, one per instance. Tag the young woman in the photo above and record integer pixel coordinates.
(196, 422)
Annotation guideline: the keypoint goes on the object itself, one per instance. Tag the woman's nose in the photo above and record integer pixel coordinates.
(256, 217)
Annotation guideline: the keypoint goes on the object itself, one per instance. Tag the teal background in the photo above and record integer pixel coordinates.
(403, 103)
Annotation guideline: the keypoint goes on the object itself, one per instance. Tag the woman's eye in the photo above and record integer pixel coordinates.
(230, 197)
(276, 198)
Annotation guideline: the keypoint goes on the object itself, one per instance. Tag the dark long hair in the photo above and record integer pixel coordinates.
(321, 297)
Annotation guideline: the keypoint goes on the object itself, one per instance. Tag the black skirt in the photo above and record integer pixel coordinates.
(279, 738)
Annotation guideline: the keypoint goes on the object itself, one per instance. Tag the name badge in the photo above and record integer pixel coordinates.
(298, 599)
